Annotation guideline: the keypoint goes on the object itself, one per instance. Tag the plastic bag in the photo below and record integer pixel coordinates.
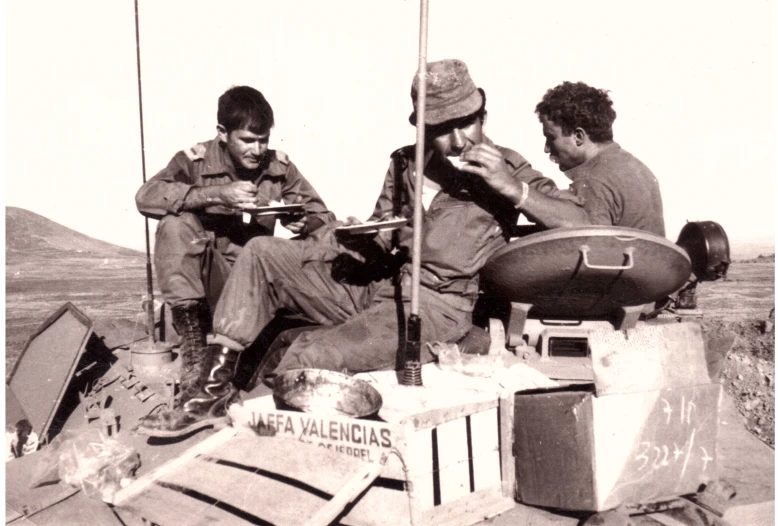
(90, 460)
(451, 359)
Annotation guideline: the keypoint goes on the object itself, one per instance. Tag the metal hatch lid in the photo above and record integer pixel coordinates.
(586, 271)
(47, 363)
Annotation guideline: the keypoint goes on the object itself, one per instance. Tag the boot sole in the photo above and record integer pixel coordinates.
(216, 422)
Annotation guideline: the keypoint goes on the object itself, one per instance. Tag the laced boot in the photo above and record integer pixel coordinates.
(192, 323)
(208, 407)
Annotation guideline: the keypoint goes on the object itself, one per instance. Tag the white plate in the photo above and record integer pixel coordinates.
(373, 227)
(273, 210)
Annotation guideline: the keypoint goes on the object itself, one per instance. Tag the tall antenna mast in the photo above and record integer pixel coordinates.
(149, 279)
(412, 367)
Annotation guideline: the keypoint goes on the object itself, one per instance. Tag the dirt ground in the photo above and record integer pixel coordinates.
(748, 372)
(104, 289)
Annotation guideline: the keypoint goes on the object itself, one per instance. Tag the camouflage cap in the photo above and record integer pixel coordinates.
(451, 93)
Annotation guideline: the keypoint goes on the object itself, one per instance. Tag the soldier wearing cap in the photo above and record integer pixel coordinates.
(353, 290)
(198, 199)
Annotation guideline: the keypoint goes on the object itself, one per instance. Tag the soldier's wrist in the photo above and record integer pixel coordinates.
(200, 197)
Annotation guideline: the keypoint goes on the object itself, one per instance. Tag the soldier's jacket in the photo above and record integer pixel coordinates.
(465, 223)
(207, 164)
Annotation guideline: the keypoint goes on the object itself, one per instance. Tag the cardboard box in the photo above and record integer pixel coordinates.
(646, 429)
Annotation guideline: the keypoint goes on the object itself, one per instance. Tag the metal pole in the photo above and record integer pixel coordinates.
(412, 368)
(149, 279)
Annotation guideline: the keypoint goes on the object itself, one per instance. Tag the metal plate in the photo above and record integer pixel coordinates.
(372, 227)
(586, 271)
(327, 392)
(275, 210)
(43, 371)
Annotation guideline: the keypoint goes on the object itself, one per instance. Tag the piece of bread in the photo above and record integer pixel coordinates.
(457, 162)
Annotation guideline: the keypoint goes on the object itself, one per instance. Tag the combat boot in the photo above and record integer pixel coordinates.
(208, 407)
(192, 322)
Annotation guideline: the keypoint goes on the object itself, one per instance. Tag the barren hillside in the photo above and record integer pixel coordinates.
(27, 233)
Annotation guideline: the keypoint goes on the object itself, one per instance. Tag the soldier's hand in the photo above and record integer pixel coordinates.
(489, 164)
(239, 194)
(294, 223)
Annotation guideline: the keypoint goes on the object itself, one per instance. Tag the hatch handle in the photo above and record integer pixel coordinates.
(628, 252)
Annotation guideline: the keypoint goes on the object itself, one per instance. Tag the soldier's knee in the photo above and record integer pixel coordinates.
(184, 226)
(260, 244)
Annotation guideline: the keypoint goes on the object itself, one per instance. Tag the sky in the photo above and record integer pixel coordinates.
(693, 83)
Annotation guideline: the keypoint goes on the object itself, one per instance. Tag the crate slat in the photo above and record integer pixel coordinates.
(507, 460)
(358, 483)
(167, 507)
(453, 460)
(283, 457)
(380, 507)
(474, 508)
(272, 500)
(206, 446)
(437, 417)
(418, 460)
(486, 449)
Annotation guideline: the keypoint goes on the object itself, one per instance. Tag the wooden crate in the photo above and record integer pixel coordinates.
(234, 479)
(448, 452)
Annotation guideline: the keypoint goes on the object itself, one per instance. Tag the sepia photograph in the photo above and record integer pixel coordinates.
(422, 262)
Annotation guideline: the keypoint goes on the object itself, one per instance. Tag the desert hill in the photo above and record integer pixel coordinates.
(27, 233)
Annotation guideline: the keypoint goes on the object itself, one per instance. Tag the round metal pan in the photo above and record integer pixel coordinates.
(327, 393)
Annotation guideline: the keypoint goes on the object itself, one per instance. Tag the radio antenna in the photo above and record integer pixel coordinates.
(149, 279)
(412, 366)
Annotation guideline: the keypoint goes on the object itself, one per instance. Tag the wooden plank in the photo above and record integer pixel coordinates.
(359, 482)
(453, 458)
(294, 460)
(507, 460)
(417, 454)
(484, 433)
(140, 484)
(380, 506)
(437, 417)
(476, 507)
(11, 514)
(167, 507)
(276, 501)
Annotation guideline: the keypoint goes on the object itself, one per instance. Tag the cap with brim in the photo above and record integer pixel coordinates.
(451, 93)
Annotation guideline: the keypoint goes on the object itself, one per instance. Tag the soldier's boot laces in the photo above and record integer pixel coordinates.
(208, 407)
(192, 322)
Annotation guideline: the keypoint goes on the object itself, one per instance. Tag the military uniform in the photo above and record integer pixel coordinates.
(194, 251)
(465, 223)
(617, 189)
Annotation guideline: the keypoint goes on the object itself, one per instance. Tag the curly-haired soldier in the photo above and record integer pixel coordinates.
(614, 186)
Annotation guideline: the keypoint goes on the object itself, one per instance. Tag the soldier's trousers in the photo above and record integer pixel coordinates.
(191, 262)
(362, 324)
